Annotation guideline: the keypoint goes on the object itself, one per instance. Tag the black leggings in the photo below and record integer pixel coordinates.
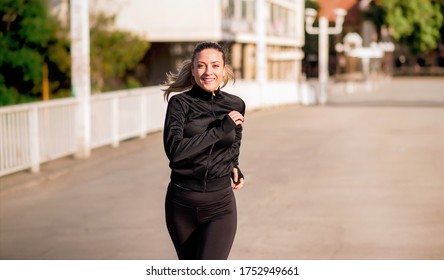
(201, 225)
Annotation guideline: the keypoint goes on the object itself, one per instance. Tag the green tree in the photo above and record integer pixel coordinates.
(114, 55)
(29, 39)
(416, 23)
(312, 4)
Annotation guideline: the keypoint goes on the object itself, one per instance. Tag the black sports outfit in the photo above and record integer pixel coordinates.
(202, 143)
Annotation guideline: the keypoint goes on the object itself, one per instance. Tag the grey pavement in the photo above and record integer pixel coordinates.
(359, 178)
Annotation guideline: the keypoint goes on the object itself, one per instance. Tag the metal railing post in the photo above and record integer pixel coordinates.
(34, 139)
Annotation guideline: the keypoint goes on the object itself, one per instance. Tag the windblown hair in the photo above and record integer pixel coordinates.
(183, 80)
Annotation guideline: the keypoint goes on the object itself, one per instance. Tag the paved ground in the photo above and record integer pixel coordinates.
(360, 178)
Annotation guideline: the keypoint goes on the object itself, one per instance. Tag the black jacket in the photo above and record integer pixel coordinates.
(201, 141)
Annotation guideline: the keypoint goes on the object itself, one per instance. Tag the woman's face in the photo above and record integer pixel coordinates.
(209, 69)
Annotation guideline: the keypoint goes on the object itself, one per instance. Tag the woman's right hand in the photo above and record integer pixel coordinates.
(236, 117)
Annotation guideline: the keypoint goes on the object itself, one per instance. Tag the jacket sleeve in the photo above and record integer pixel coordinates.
(235, 148)
(176, 146)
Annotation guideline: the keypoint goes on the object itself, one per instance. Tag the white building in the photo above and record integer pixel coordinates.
(264, 37)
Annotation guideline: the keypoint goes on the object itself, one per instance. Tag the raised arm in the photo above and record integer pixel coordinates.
(176, 146)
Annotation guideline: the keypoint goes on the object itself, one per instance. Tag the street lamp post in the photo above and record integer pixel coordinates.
(80, 72)
(323, 31)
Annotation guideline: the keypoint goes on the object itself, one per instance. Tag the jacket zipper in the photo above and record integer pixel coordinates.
(212, 146)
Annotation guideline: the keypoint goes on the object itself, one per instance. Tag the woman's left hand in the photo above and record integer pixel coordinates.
(236, 117)
(238, 183)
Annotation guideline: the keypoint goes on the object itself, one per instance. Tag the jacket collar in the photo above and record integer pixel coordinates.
(198, 92)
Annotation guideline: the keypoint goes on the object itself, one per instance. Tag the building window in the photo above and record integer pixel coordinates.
(228, 8)
(281, 21)
(248, 10)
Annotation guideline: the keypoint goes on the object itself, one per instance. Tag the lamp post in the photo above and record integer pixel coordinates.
(323, 31)
(80, 69)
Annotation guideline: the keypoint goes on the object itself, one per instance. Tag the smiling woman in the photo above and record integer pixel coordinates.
(202, 136)
(183, 79)
(208, 69)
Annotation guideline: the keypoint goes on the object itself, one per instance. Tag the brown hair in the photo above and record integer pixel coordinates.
(183, 79)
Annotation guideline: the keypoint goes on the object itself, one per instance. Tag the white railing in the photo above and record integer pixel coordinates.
(35, 133)
(125, 114)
